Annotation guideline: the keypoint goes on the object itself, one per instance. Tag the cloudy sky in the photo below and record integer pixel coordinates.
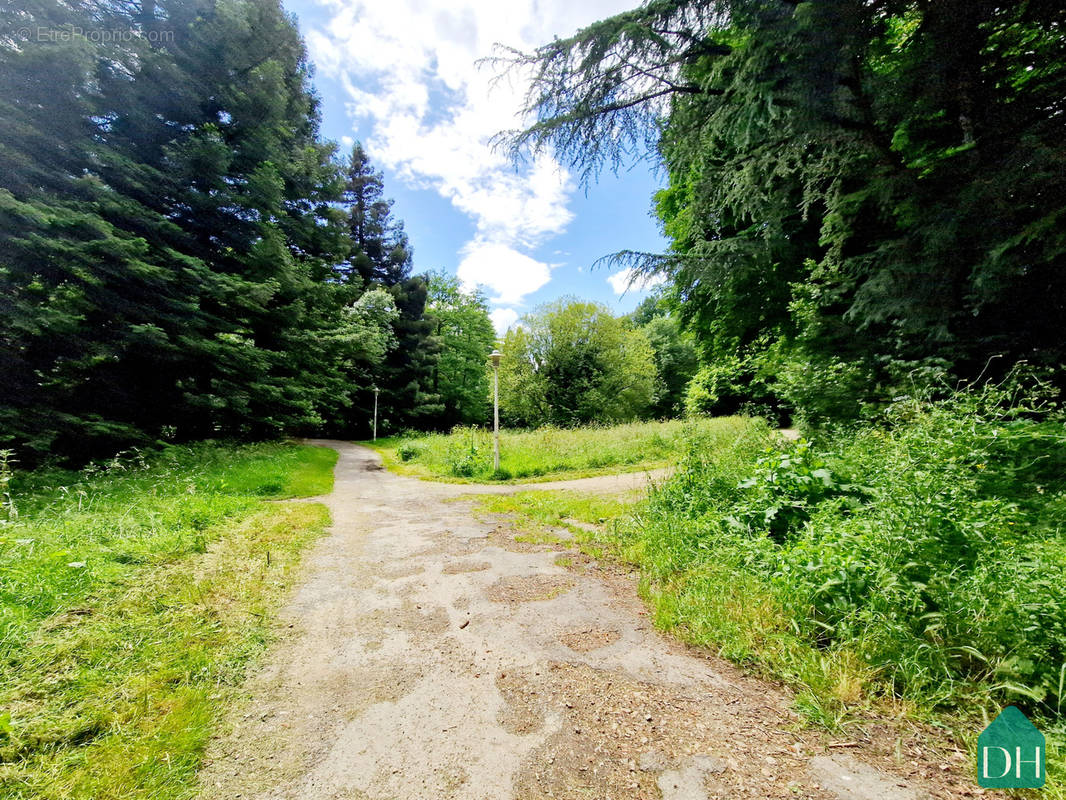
(401, 76)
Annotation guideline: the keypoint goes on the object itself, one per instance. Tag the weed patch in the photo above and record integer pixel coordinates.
(916, 563)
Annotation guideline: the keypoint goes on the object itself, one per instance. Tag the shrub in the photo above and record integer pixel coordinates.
(714, 388)
(735, 384)
(824, 388)
(465, 455)
(928, 549)
(784, 487)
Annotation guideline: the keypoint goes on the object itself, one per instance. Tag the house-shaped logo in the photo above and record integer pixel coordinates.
(1011, 753)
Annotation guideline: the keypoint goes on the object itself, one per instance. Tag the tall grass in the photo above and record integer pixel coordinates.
(466, 453)
(133, 595)
(918, 562)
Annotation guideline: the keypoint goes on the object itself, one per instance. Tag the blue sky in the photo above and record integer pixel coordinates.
(401, 77)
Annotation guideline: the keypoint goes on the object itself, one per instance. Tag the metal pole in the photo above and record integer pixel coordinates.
(375, 413)
(496, 417)
(495, 357)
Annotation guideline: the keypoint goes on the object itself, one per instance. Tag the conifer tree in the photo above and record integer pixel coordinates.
(169, 231)
(855, 186)
(381, 253)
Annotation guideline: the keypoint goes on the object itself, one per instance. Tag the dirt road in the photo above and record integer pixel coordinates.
(427, 654)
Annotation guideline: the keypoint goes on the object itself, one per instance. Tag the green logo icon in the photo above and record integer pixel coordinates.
(1010, 753)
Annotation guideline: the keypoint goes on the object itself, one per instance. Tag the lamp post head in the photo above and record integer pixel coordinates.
(495, 357)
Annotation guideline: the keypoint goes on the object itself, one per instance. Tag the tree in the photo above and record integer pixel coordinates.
(675, 364)
(672, 350)
(572, 363)
(381, 256)
(408, 399)
(169, 231)
(381, 253)
(466, 337)
(851, 183)
(359, 347)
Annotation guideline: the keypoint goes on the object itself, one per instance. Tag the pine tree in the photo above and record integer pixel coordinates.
(381, 253)
(169, 234)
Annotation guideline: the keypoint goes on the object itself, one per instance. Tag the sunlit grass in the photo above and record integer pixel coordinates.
(466, 453)
(133, 597)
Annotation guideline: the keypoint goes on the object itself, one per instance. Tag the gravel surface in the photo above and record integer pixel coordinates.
(427, 654)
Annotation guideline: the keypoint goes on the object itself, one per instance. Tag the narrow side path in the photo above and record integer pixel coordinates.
(598, 484)
(429, 654)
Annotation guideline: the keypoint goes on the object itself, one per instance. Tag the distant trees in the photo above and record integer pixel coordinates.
(573, 362)
(381, 256)
(673, 352)
(465, 334)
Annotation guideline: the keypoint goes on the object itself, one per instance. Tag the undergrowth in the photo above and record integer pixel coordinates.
(914, 565)
(919, 561)
(133, 596)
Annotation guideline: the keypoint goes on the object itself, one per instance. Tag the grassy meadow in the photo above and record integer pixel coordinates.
(133, 597)
(465, 454)
(915, 568)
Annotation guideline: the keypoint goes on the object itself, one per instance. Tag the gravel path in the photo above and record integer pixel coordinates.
(428, 654)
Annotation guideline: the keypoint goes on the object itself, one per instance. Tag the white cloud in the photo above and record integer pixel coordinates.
(629, 279)
(409, 69)
(507, 274)
(503, 319)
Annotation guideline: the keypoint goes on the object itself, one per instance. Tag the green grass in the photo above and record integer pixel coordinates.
(133, 598)
(911, 569)
(545, 453)
(546, 511)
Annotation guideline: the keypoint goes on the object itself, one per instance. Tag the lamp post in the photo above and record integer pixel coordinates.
(495, 358)
(376, 390)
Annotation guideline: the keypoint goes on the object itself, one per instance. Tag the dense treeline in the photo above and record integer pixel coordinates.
(181, 255)
(861, 196)
(860, 193)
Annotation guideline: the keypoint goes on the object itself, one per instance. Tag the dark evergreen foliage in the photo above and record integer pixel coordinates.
(407, 376)
(856, 189)
(381, 253)
(174, 243)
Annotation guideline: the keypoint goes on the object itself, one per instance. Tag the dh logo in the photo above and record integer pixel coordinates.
(1010, 753)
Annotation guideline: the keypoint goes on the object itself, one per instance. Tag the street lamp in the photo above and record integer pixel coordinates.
(376, 390)
(495, 357)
